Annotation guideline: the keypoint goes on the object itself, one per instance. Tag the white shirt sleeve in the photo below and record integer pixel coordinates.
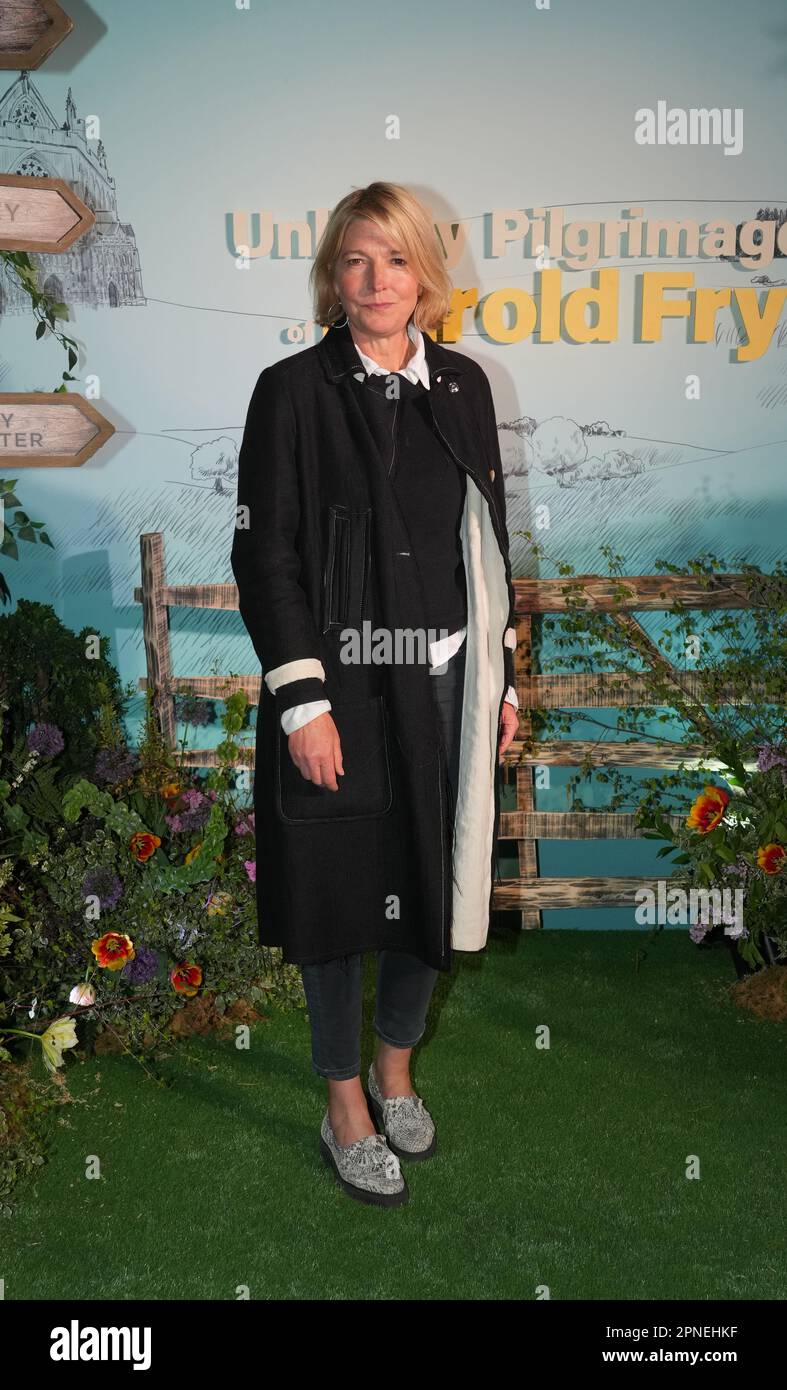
(299, 715)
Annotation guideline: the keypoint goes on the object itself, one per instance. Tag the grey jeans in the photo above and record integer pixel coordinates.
(333, 988)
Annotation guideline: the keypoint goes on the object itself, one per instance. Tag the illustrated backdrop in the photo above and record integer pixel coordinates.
(212, 139)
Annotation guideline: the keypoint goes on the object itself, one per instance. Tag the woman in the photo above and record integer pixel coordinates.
(371, 558)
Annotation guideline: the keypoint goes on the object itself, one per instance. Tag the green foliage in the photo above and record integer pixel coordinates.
(16, 526)
(50, 675)
(68, 843)
(117, 817)
(46, 310)
(158, 762)
(124, 822)
(714, 679)
(27, 1108)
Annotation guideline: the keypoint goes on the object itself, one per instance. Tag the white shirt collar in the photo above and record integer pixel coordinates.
(416, 369)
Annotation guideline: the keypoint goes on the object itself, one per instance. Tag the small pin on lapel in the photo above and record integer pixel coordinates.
(452, 386)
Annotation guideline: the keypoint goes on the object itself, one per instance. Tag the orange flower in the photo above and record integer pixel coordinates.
(771, 858)
(170, 791)
(708, 809)
(112, 950)
(186, 979)
(192, 854)
(143, 844)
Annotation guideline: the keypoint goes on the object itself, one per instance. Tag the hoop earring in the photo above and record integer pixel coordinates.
(346, 319)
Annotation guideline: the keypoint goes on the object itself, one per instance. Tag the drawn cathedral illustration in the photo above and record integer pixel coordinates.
(102, 268)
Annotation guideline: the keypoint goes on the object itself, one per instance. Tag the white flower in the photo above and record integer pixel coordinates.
(83, 994)
(58, 1036)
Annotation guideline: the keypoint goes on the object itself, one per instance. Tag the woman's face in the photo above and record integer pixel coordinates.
(374, 281)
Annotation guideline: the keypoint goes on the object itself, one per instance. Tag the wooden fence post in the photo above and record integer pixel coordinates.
(155, 627)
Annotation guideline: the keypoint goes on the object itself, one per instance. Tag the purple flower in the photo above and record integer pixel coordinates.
(115, 765)
(250, 865)
(193, 798)
(143, 967)
(740, 869)
(190, 709)
(104, 885)
(46, 739)
(185, 821)
(246, 825)
(697, 930)
(770, 756)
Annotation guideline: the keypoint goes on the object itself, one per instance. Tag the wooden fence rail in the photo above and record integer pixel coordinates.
(529, 892)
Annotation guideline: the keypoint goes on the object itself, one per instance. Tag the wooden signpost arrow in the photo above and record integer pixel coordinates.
(30, 30)
(40, 214)
(49, 429)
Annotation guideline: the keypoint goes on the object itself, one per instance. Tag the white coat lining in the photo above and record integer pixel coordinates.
(487, 622)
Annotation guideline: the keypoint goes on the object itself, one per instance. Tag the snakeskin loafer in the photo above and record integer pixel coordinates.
(365, 1169)
(405, 1121)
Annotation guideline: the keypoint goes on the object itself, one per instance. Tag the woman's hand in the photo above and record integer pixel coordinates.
(509, 728)
(316, 750)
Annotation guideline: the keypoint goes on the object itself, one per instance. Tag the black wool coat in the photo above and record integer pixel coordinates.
(320, 548)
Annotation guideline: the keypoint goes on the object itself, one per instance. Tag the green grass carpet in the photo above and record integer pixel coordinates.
(562, 1167)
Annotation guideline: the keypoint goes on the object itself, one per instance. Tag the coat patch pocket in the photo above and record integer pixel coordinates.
(364, 790)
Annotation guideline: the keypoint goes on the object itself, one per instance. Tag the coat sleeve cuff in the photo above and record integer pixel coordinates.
(299, 670)
(299, 692)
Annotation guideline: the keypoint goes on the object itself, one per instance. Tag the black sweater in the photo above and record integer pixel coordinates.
(430, 490)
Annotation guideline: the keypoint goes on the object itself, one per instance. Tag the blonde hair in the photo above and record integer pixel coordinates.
(398, 213)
